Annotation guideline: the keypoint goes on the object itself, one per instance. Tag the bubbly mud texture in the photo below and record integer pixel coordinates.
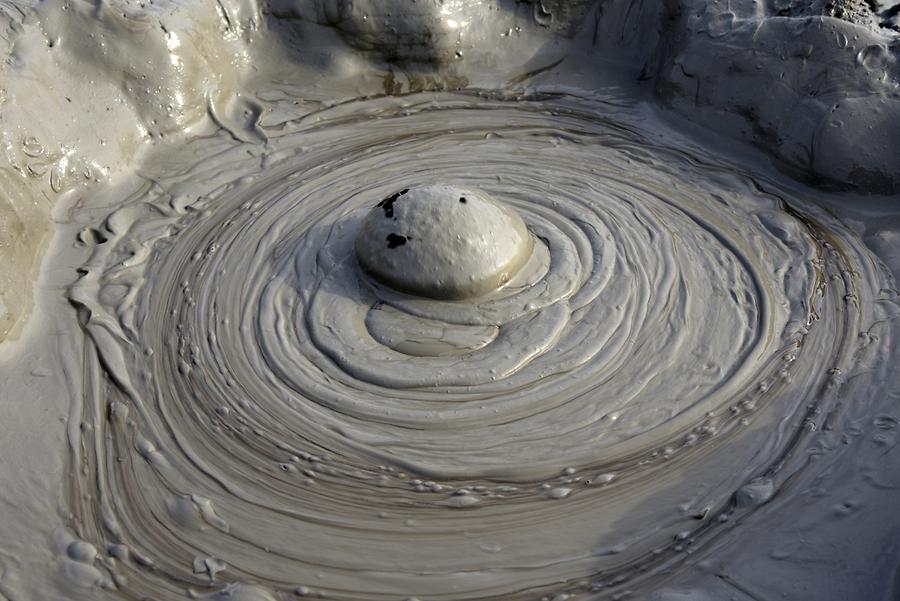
(261, 420)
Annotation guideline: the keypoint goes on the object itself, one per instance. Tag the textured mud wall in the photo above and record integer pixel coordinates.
(85, 86)
(813, 84)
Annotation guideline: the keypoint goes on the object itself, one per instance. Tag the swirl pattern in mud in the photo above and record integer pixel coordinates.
(264, 420)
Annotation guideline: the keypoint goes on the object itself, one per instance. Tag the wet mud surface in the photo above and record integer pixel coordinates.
(692, 354)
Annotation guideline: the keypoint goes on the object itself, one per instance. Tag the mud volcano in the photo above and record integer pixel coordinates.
(311, 353)
(374, 301)
(443, 242)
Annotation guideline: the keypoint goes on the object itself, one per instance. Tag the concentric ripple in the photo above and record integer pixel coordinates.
(263, 420)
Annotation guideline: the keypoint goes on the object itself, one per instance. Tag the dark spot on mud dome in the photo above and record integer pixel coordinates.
(462, 199)
(395, 240)
(388, 203)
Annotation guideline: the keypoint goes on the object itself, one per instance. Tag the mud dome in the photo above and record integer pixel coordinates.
(443, 303)
(452, 243)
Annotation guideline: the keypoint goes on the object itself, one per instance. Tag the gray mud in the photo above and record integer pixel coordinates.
(688, 391)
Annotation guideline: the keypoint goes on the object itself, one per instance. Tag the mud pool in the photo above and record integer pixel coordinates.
(250, 373)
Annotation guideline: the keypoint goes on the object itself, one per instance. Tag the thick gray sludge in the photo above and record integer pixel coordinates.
(683, 322)
(448, 300)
